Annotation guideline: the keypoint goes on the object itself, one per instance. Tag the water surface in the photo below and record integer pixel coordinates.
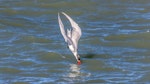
(114, 46)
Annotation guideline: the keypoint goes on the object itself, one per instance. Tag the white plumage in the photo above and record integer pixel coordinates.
(72, 36)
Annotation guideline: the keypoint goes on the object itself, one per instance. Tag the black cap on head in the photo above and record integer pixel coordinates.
(78, 58)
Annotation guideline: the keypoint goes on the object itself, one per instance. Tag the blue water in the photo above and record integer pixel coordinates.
(114, 46)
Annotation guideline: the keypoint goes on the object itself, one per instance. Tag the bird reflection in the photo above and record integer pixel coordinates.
(75, 71)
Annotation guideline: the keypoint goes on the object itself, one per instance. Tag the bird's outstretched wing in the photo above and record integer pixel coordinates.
(66, 37)
(62, 28)
(76, 32)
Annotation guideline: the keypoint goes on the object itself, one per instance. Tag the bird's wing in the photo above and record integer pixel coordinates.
(67, 38)
(76, 32)
(62, 28)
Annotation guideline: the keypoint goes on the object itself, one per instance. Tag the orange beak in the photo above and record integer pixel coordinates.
(79, 62)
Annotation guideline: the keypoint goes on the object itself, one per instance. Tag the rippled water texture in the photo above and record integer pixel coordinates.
(114, 46)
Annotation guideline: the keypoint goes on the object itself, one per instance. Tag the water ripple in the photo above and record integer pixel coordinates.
(114, 46)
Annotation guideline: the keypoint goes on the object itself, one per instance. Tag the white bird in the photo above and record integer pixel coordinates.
(72, 36)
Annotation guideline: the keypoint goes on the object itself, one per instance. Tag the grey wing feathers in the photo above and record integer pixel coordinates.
(76, 32)
(66, 37)
(73, 23)
(75, 38)
(62, 28)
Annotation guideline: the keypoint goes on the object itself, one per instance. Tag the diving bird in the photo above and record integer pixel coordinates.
(72, 35)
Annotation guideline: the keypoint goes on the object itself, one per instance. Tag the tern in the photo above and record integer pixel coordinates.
(72, 35)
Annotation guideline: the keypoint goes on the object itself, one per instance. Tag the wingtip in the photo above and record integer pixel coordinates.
(61, 13)
(58, 15)
(64, 13)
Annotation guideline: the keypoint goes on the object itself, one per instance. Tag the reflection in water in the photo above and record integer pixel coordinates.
(115, 38)
(76, 74)
(75, 71)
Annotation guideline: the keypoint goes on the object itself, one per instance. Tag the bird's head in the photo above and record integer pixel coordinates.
(75, 54)
(78, 60)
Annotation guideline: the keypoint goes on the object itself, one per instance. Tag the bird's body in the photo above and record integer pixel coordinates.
(72, 36)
